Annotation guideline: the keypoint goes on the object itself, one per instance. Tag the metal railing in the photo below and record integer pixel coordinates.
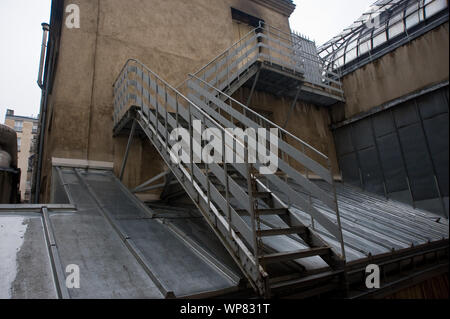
(200, 103)
(162, 109)
(274, 46)
(291, 160)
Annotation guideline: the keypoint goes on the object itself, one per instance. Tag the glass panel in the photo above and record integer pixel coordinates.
(412, 20)
(364, 47)
(350, 55)
(412, 8)
(433, 7)
(379, 39)
(351, 45)
(396, 18)
(339, 62)
(396, 29)
(339, 54)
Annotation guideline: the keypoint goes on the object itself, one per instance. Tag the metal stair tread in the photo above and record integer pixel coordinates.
(293, 255)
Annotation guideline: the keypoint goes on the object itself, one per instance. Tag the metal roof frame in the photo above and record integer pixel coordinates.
(380, 28)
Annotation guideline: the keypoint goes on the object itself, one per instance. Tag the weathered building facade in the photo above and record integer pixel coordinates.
(173, 38)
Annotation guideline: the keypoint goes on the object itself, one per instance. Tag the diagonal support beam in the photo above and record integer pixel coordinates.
(127, 151)
(150, 181)
(294, 103)
(254, 86)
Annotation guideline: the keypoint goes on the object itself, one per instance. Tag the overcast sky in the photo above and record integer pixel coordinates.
(21, 35)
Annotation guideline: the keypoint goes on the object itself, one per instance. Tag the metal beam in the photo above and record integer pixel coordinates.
(254, 86)
(57, 268)
(294, 103)
(130, 140)
(150, 181)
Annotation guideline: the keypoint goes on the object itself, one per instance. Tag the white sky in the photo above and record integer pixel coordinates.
(321, 20)
(21, 36)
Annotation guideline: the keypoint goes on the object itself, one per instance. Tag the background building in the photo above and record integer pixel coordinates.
(26, 129)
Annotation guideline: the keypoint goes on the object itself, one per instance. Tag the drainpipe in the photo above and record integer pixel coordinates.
(46, 29)
(43, 110)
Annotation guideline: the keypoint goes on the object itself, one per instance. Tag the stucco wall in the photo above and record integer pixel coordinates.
(416, 65)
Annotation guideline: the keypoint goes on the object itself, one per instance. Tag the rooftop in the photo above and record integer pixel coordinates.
(127, 250)
(10, 115)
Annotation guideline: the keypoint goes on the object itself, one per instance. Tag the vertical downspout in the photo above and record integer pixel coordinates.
(43, 110)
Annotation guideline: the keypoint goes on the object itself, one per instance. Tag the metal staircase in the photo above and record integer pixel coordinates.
(239, 199)
(274, 61)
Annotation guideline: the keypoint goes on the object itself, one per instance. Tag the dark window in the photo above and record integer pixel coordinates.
(245, 18)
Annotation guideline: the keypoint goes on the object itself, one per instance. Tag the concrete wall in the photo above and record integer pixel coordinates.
(173, 38)
(416, 65)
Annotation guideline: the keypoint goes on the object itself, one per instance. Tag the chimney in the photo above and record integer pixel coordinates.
(9, 112)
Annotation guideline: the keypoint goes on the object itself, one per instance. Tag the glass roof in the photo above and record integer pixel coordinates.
(384, 21)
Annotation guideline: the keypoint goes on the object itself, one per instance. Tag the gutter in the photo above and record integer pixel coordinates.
(49, 51)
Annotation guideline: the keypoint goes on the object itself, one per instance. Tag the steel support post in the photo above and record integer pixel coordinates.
(127, 151)
(252, 91)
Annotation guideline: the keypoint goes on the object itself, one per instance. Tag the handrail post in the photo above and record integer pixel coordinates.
(227, 186)
(313, 225)
(167, 115)
(251, 204)
(191, 148)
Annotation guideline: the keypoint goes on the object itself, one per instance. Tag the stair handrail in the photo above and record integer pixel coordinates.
(274, 125)
(218, 56)
(233, 223)
(199, 109)
(331, 201)
(304, 54)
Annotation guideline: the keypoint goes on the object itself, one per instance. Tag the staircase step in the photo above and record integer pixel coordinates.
(266, 212)
(292, 255)
(261, 195)
(281, 231)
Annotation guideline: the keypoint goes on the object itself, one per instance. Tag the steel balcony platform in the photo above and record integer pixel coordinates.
(284, 82)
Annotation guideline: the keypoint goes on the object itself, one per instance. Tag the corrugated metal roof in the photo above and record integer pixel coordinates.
(126, 250)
